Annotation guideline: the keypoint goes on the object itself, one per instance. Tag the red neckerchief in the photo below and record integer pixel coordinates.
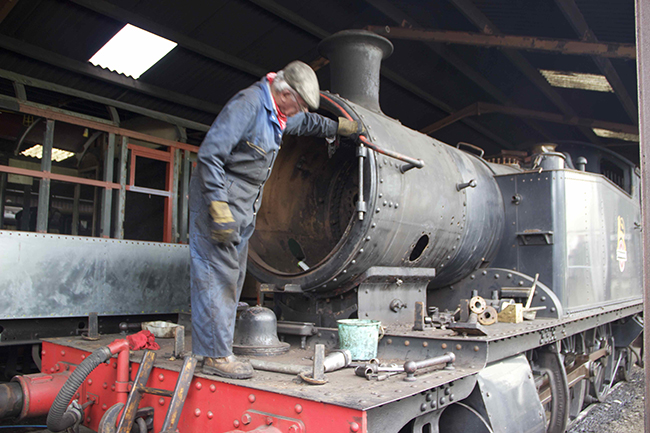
(282, 119)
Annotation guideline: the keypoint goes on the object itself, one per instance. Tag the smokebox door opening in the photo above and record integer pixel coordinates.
(308, 206)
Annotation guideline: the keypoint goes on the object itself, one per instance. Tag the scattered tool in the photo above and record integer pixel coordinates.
(336, 360)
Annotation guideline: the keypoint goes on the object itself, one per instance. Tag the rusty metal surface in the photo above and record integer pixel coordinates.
(564, 46)
(343, 387)
(180, 393)
(399, 345)
(481, 108)
(128, 416)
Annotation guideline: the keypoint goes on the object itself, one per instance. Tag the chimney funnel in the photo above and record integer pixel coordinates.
(355, 60)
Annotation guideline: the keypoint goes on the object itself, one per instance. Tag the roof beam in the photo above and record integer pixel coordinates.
(579, 24)
(40, 84)
(385, 7)
(474, 15)
(105, 75)
(5, 7)
(107, 9)
(119, 14)
(480, 108)
(529, 43)
(320, 33)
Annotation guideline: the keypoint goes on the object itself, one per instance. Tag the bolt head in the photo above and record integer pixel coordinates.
(354, 427)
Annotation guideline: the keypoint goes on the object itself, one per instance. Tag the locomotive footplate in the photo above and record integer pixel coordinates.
(346, 402)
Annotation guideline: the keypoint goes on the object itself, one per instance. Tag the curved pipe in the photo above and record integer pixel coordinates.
(412, 162)
(59, 418)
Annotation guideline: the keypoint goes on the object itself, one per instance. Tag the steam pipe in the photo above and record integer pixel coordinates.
(410, 161)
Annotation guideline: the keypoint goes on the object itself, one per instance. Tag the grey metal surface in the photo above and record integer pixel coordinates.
(390, 303)
(118, 232)
(425, 408)
(459, 229)
(174, 195)
(107, 193)
(47, 275)
(44, 184)
(643, 73)
(416, 219)
(585, 265)
(510, 396)
(486, 281)
(184, 193)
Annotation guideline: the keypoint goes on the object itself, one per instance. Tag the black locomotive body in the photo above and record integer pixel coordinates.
(557, 231)
(509, 288)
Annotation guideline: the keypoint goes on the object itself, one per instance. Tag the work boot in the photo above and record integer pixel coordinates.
(229, 367)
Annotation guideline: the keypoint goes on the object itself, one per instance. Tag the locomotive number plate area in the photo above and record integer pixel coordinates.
(547, 336)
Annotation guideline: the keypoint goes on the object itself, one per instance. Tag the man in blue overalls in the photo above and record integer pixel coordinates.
(234, 162)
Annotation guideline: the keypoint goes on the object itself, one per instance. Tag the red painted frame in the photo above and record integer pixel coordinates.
(211, 406)
(168, 158)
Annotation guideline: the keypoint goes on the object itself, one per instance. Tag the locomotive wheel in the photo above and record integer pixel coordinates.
(550, 365)
(625, 366)
(572, 347)
(602, 369)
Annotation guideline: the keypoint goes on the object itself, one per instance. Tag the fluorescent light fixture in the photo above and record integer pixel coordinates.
(577, 80)
(36, 151)
(607, 133)
(132, 51)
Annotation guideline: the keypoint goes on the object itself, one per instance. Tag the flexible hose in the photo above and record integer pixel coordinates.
(59, 419)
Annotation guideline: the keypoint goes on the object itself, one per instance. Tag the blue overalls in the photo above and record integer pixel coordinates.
(234, 162)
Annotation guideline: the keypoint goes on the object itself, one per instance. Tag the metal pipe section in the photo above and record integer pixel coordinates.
(11, 400)
(38, 392)
(336, 360)
(411, 367)
(355, 59)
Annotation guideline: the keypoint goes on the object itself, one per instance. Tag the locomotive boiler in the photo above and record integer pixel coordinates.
(508, 290)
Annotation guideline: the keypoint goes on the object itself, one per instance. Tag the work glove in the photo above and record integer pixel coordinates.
(350, 129)
(223, 228)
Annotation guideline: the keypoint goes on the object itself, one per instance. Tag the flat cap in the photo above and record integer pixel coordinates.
(302, 78)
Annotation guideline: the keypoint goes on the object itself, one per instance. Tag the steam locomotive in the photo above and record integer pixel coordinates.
(509, 292)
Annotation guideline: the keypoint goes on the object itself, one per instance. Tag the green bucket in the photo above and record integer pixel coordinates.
(360, 337)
